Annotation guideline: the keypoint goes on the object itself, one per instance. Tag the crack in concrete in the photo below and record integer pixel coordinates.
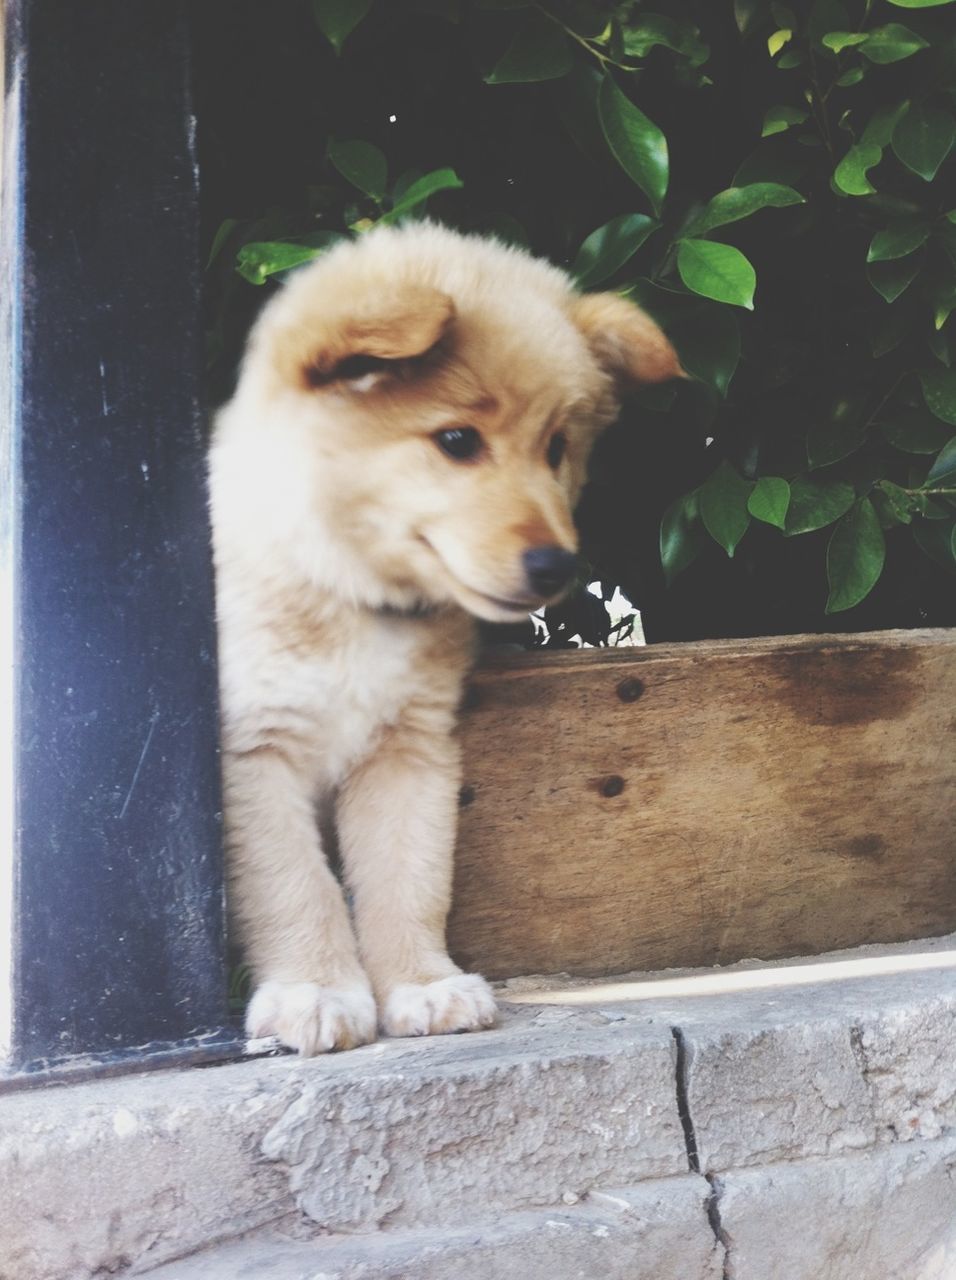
(716, 1224)
(683, 1102)
(712, 1203)
(859, 1052)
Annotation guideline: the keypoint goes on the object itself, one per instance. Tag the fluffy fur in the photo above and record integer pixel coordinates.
(351, 553)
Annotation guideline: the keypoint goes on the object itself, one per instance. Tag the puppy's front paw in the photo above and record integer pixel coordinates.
(311, 1018)
(462, 1002)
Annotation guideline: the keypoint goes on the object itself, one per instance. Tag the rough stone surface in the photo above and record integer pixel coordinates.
(793, 1089)
(94, 1177)
(823, 1072)
(578, 1109)
(907, 1054)
(657, 1231)
(811, 1057)
(886, 1214)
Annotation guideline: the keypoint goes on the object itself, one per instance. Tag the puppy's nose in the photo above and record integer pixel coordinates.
(548, 569)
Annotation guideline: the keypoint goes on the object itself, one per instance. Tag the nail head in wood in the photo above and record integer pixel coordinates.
(630, 689)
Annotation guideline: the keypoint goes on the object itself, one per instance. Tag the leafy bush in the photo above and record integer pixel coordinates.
(774, 182)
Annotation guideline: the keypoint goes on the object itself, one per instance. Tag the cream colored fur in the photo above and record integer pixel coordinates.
(350, 554)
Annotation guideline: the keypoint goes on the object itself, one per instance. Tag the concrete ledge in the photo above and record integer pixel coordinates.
(738, 1074)
(99, 1176)
(888, 1214)
(656, 1231)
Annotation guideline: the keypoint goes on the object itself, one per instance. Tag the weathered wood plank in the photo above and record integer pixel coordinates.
(702, 803)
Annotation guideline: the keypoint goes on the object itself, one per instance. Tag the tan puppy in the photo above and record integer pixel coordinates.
(404, 449)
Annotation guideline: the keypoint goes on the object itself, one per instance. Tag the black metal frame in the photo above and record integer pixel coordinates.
(111, 739)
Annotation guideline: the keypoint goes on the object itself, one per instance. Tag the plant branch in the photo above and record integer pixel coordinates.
(818, 105)
(604, 59)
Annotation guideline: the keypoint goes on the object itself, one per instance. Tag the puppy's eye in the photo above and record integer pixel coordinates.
(556, 447)
(464, 444)
(358, 366)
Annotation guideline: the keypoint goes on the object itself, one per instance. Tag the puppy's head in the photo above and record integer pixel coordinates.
(443, 393)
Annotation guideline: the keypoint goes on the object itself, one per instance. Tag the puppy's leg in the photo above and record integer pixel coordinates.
(397, 818)
(291, 917)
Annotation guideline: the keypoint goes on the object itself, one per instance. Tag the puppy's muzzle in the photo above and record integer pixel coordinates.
(548, 570)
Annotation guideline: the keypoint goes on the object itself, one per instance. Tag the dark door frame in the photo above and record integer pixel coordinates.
(108, 730)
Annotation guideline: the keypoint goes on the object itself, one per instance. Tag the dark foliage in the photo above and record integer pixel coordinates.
(775, 183)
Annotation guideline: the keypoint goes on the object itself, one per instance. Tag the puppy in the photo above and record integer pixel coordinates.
(402, 455)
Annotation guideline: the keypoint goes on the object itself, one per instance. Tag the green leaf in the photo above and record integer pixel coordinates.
(337, 19)
(897, 241)
(746, 14)
(888, 327)
(898, 501)
(914, 431)
(708, 344)
(579, 16)
(944, 303)
(223, 232)
(538, 51)
(853, 75)
(850, 173)
(723, 506)
(855, 556)
(792, 58)
(923, 139)
(769, 501)
(777, 41)
(582, 17)
(716, 271)
(837, 41)
(781, 118)
(419, 192)
(813, 506)
(919, 4)
(839, 434)
(609, 247)
(892, 43)
(740, 202)
(257, 261)
(652, 29)
(361, 164)
(929, 508)
(404, 182)
(939, 392)
(938, 343)
(943, 471)
(575, 99)
(936, 540)
(879, 129)
(636, 142)
(682, 536)
(890, 279)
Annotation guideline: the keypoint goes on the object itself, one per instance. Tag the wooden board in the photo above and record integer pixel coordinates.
(703, 803)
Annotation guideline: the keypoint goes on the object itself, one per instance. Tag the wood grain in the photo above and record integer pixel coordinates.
(703, 803)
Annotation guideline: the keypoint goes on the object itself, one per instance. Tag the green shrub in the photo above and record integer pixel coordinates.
(775, 183)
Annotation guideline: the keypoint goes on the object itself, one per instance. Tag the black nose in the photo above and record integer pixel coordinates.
(548, 569)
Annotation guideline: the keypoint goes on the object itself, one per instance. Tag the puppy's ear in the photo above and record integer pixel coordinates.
(625, 340)
(349, 337)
